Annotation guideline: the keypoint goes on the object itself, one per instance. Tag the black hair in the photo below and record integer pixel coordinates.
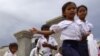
(36, 40)
(11, 45)
(65, 6)
(45, 26)
(82, 6)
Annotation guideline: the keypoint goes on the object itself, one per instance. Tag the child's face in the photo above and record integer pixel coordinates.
(70, 11)
(82, 12)
(46, 29)
(13, 49)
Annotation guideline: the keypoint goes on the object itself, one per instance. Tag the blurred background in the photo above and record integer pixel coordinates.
(17, 15)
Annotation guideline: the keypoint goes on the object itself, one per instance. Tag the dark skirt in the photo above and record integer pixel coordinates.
(83, 48)
(70, 48)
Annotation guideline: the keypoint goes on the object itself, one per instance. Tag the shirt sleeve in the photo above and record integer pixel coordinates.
(38, 43)
(32, 52)
(58, 27)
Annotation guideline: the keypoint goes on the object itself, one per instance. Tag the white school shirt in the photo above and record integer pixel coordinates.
(46, 51)
(69, 30)
(85, 26)
(8, 53)
(92, 43)
(34, 52)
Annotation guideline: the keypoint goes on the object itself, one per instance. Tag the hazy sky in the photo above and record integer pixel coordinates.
(17, 15)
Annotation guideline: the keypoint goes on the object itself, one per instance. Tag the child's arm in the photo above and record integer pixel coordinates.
(84, 36)
(50, 46)
(53, 47)
(34, 31)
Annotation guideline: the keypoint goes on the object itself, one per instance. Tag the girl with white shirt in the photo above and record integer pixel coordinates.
(70, 31)
(86, 30)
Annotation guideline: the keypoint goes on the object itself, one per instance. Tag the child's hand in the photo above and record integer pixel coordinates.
(88, 33)
(45, 44)
(33, 30)
(84, 37)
